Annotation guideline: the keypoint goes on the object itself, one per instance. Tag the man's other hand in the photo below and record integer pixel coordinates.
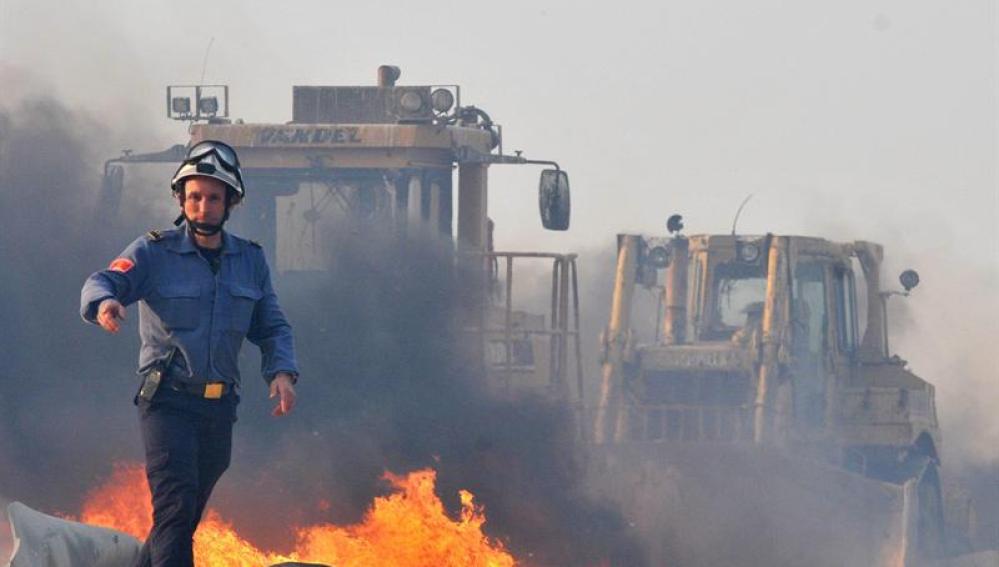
(282, 388)
(108, 315)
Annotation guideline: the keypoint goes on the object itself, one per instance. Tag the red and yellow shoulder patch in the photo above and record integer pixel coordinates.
(122, 265)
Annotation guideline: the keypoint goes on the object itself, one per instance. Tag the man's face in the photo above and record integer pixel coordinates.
(204, 199)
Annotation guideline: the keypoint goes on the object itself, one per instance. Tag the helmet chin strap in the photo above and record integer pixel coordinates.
(202, 228)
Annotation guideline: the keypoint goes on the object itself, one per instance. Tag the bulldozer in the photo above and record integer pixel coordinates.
(759, 418)
(385, 153)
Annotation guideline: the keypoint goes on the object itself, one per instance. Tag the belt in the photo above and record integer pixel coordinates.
(207, 390)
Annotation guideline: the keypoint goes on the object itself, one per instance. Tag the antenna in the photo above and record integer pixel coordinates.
(204, 63)
(202, 102)
(739, 212)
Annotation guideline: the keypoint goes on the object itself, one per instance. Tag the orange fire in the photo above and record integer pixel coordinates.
(406, 528)
(6, 538)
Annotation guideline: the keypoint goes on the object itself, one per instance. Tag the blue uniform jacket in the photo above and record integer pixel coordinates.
(183, 304)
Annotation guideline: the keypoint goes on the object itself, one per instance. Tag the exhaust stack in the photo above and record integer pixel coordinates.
(388, 75)
(675, 294)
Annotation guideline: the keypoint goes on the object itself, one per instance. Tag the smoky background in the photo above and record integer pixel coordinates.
(387, 385)
(395, 385)
(858, 120)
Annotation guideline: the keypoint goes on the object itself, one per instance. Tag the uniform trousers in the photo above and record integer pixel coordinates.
(188, 444)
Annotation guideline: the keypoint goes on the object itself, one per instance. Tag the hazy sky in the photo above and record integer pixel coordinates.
(831, 113)
(871, 119)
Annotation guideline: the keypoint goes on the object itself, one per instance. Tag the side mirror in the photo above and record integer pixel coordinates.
(909, 279)
(553, 199)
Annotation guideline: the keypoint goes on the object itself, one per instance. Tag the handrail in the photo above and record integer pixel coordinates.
(563, 318)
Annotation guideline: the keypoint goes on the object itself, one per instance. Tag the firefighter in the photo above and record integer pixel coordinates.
(201, 291)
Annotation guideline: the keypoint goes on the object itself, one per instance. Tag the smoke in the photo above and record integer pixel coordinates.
(388, 383)
(949, 343)
(57, 375)
(948, 330)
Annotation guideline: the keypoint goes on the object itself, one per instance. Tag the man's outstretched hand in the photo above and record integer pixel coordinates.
(109, 313)
(282, 388)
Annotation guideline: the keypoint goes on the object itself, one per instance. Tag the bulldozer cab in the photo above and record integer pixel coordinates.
(300, 200)
(729, 286)
(811, 314)
(776, 340)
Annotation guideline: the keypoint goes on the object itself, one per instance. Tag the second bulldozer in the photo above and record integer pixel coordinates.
(761, 419)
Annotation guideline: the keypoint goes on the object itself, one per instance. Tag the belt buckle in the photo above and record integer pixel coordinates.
(213, 390)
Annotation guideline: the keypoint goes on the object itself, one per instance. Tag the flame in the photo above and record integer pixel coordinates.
(122, 503)
(6, 538)
(409, 527)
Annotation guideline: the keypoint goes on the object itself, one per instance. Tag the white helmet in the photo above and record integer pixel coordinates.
(214, 159)
(217, 160)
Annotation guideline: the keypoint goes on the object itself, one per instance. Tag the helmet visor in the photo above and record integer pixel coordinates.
(226, 155)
